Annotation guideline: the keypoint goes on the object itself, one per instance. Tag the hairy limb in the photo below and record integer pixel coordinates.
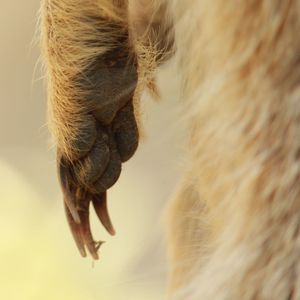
(242, 87)
(92, 76)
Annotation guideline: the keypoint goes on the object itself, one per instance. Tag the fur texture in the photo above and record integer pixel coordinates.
(234, 223)
(72, 37)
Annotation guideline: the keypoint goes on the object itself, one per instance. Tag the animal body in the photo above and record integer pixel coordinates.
(234, 223)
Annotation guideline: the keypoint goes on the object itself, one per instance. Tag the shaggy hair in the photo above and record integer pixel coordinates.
(234, 222)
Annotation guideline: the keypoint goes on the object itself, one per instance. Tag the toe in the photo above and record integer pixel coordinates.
(111, 173)
(126, 132)
(91, 167)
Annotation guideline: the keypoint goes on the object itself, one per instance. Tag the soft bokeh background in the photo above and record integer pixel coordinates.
(38, 259)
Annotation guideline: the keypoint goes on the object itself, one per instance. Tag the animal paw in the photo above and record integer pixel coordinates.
(106, 137)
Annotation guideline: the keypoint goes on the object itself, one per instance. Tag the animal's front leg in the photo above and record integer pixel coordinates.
(92, 75)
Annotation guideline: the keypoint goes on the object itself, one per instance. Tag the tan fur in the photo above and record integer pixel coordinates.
(234, 224)
(243, 107)
(68, 53)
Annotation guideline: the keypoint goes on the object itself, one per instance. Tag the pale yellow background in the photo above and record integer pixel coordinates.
(38, 259)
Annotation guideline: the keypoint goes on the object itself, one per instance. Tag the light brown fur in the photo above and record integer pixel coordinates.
(68, 52)
(234, 224)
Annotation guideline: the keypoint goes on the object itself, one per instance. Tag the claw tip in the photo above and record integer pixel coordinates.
(82, 252)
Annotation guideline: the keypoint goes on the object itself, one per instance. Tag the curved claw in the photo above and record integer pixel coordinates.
(85, 228)
(81, 231)
(76, 231)
(69, 197)
(100, 206)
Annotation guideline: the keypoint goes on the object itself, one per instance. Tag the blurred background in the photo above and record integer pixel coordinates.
(38, 258)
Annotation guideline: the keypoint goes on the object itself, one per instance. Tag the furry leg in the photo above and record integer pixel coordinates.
(240, 66)
(92, 77)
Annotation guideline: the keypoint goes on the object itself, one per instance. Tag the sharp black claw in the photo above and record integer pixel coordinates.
(76, 231)
(100, 206)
